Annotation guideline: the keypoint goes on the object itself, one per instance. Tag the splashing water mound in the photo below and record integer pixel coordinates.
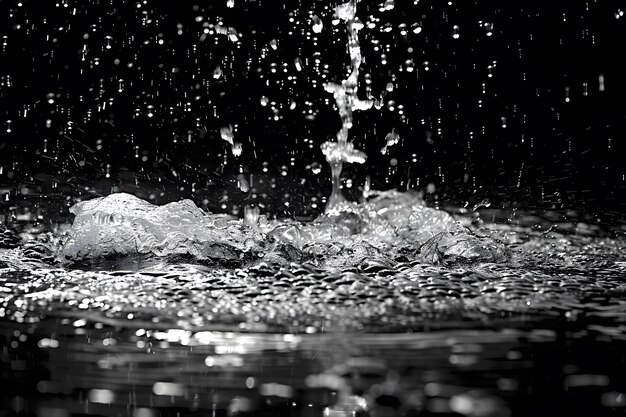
(390, 225)
(124, 225)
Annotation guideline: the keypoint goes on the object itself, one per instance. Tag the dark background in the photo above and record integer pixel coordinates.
(524, 108)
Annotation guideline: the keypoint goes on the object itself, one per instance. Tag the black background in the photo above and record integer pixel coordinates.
(69, 119)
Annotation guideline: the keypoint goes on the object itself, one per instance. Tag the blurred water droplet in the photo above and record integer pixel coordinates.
(392, 138)
(236, 149)
(251, 215)
(242, 183)
(389, 5)
(316, 168)
(226, 133)
(317, 24)
(217, 73)
(455, 32)
(601, 82)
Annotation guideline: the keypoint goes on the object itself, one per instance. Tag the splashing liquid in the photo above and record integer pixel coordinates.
(345, 93)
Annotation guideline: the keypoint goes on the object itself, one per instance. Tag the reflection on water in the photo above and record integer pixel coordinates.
(543, 333)
(64, 367)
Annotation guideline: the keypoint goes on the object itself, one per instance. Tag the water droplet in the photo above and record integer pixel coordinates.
(389, 5)
(317, 24)
(316, 168)
(226, 133)
(242, 183)
(298, 64)
(601, 82)
(236, 149)
(217, 73)
(392, 138)
(251, 215)
(455, 33)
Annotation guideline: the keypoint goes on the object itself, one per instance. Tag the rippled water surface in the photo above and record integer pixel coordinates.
(542, 333)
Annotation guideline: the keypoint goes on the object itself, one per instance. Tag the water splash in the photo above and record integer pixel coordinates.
(345, 93)
(122, 227)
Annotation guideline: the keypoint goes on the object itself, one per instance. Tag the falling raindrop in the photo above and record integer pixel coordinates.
(236, 149)
(601, 82)
(317, 24)
(316, 168)
(227, 134)
(217, 72)
(455, 32)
